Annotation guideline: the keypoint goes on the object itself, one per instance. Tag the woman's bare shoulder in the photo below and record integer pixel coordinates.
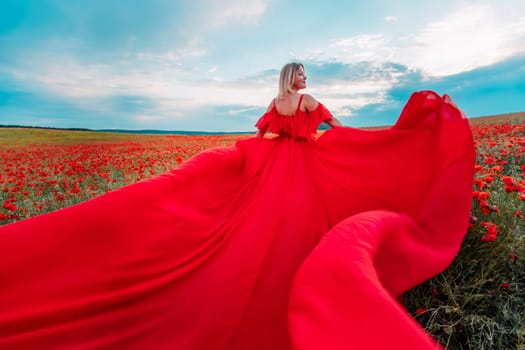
(309, 102)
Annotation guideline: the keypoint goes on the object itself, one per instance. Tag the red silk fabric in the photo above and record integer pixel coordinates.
(274, 243)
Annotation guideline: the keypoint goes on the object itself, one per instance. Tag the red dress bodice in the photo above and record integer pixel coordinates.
(302, 124)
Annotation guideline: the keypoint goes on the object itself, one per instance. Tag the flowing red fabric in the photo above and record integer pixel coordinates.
(287, 242)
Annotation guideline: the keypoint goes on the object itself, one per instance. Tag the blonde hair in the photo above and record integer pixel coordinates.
(287, 78)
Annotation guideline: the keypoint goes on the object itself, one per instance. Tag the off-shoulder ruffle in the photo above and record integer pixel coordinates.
(301, 124)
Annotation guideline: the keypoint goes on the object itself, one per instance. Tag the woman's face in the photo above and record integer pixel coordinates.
(300, 79)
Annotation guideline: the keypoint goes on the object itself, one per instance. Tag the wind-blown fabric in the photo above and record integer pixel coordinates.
(288, 242)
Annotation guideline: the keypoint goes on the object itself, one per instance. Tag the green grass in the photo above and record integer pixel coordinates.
(13, 137)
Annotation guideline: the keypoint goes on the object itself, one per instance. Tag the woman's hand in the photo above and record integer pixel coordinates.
(260, 132)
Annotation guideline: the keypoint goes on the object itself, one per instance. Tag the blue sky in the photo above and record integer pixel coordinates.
(213, 65)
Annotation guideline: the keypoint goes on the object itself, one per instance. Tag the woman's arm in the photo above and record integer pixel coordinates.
(310, 104)
(333, 122)
(261, 131)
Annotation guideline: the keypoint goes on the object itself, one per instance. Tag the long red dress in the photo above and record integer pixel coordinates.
(274, 243)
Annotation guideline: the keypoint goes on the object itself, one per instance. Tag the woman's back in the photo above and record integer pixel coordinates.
(295, 122)
(289, 105)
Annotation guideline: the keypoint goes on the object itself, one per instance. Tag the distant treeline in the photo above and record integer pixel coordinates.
(174, 132)
(42, 127)
(159, 132)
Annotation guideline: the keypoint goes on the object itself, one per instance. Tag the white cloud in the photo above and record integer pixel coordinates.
(364, 41)
(358, 48)
(390, 19)
(222, 12)
(191, 49)
(236, 111)
(357, 94)
(63, 76)
(469, 38)
(150, 119)
(466, 39)
(91, 86)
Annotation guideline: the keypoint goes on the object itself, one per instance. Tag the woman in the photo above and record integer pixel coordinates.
(274, 243)
(291, 80)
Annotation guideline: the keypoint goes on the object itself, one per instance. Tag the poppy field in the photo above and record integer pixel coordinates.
(477, 303)
(45, 170)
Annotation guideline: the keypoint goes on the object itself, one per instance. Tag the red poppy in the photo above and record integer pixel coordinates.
(491, 233)
(421, 311)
